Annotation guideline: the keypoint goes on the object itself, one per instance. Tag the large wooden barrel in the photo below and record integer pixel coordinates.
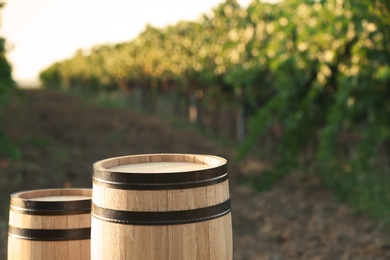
(50, 224)
(161, 206)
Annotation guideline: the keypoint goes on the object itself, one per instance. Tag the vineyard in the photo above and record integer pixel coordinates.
(7, 87)
(314, 76)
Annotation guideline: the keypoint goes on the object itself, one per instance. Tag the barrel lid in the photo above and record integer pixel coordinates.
(160, 171)
(26, 201)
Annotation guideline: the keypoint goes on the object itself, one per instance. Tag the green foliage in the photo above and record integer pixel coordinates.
(51, 77)
(318, 70)
(7, 86)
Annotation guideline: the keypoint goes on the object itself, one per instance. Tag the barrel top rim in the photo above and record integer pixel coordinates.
(121, 160)
(26, 195)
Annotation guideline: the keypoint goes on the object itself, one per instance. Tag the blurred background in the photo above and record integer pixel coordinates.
(294, 93)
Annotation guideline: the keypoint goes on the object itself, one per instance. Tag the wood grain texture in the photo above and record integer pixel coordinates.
(28, 248)
(204, 240)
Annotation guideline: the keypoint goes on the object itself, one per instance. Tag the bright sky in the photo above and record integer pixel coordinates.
(40, 32)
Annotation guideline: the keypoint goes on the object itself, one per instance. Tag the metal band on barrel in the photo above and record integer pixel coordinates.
(50, 234)
(160, 181)
(161, 217)
(50, 208)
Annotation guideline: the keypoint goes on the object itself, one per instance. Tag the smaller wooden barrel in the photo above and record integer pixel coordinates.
(160, 207)
(50, 224)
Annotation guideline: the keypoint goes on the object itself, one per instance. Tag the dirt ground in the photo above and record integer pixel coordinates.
(61, 136)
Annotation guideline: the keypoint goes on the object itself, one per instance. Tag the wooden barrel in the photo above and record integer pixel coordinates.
(161, 206)
(50, 224)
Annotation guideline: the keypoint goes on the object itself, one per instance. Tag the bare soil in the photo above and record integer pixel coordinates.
(61, 136)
